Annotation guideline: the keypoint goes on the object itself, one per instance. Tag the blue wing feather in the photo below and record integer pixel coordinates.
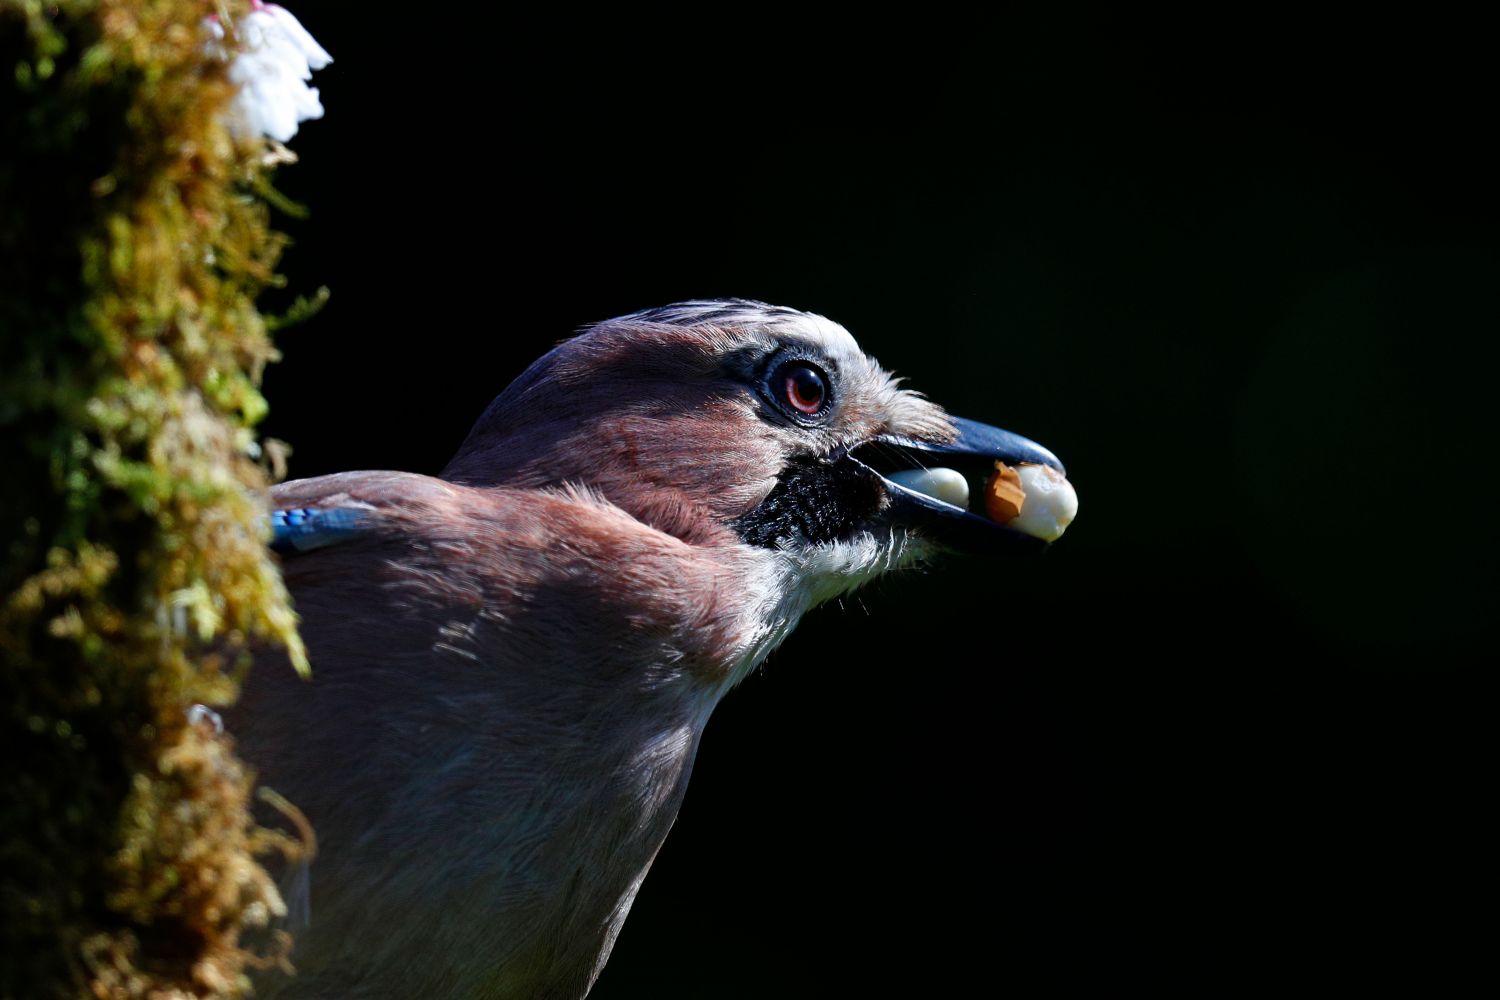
(301, 529)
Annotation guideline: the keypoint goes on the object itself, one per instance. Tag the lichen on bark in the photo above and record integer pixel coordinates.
(134, 575)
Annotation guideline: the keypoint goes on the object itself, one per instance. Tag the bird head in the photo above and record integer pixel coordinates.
(729, 422)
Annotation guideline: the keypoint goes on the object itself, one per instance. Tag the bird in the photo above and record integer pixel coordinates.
(512, 663)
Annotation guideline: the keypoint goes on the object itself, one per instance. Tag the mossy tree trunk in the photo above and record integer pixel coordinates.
(133, 570)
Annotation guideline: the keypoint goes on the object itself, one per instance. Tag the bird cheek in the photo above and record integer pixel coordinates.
(745, 497)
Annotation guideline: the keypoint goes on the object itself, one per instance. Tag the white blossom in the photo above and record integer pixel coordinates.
(270, 63)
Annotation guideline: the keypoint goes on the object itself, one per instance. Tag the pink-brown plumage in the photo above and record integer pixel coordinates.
(513, 663)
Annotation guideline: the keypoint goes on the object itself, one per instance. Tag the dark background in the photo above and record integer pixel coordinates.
(1238, 273)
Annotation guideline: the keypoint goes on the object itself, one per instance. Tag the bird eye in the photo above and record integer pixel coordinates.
(802, 386)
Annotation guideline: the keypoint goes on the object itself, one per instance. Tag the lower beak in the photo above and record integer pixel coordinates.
(986, 491)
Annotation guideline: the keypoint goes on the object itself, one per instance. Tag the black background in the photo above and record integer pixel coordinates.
(1238, 272)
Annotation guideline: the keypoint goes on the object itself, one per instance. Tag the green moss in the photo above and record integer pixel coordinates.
(133, 569)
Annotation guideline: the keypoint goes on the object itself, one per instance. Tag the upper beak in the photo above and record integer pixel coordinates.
(909, 467)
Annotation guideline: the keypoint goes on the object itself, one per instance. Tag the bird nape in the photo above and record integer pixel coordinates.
(512, 663)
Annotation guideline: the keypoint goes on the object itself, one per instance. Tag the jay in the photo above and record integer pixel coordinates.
(512, 663)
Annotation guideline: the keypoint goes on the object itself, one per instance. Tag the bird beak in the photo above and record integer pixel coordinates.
(942, 489)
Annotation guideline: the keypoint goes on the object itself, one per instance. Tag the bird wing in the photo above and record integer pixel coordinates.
(299, 529)
(507, 689)
(309, 514)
